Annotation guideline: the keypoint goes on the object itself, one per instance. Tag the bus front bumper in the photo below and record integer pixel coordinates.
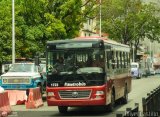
(88, 102)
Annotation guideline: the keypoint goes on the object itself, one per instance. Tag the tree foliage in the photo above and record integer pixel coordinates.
(5, 30)
(130, 21)
(37, 21)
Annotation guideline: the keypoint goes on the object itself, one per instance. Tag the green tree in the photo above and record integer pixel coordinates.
(51, 20)
(130, 21)
(5, 30)
(37, 21)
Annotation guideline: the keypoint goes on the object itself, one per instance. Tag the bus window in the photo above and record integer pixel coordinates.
(128, 60)
(113, 60)
(82, 59)
(109, 58)
(98, 59)
(117, 57)
(125, 59)
(120, 59)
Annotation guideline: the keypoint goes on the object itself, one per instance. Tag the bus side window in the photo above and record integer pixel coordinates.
(125, 59)
(122, 55)
(128, 59)
(117, 58)
(120, 59)
(113, 60)
(109, 59)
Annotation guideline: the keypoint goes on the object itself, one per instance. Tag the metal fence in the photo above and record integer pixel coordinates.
(130, 112)
(151, 104)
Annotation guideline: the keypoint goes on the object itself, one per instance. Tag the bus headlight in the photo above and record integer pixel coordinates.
(50, 94)
(99, 95)
(99, 92)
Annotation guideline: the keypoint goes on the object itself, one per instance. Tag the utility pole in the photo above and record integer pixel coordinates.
(133, 53)
(13, 33)
(133, 44)
(150, 49)
(100, 14)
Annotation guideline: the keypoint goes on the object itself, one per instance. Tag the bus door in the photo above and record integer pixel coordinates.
(109, 74)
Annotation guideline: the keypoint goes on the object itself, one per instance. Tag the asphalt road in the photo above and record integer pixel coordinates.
(140, 88)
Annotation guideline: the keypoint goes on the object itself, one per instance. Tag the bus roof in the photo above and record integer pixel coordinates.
(106, 40)
(87, 39)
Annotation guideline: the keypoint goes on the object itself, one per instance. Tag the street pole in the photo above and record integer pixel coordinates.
(13, 33)
(150, 49)
(100, 19)
(150, 55)
(133, 53)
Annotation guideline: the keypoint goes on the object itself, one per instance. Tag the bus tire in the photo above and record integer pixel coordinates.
(112, 104)
(62, 109)
(125, 97)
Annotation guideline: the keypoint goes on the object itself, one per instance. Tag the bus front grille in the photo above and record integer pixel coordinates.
(74, 94)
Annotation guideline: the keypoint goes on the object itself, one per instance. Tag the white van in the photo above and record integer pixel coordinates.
(135, 70)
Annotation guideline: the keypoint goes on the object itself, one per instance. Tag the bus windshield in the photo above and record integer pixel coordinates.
(76, 61)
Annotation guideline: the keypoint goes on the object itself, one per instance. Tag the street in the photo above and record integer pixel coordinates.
(140, 88)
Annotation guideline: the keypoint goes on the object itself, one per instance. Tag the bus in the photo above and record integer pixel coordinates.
(94, 71)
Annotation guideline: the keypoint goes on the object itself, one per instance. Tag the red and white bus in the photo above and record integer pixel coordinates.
(87, 71)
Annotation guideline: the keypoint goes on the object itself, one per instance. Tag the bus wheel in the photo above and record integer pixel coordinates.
(125, 97)
(112, 104)
(62, 109)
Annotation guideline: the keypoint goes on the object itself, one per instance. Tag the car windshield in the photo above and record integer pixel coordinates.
(23, 68)
(69, 61)
(133, 66)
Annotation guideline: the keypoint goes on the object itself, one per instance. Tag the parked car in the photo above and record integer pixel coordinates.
(152, 71)
(157, 71)
(136, 70)
(23, 76)
(145, 72)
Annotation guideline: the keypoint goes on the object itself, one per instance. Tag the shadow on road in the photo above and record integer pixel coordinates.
(91, 111)
(85, 111)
